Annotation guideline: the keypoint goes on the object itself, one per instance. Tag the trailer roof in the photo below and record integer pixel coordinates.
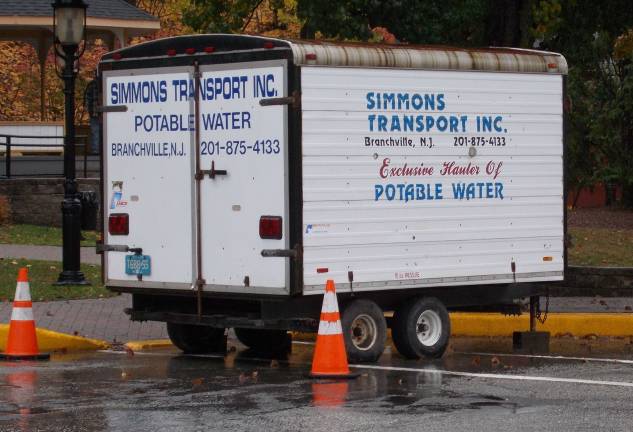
(311, 52)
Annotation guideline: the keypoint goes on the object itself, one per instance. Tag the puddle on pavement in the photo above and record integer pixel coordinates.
(245, 382)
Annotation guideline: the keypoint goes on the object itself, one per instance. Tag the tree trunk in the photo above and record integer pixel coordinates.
(627, 196)
(509, 23)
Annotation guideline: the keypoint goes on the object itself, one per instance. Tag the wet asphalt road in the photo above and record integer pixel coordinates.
(167, 391)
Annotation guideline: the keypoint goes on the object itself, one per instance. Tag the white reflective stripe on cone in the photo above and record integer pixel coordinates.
(22, 292)
(329, 303)
(22, 314)
(330, 328)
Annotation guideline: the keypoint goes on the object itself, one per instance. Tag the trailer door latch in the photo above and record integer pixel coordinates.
(212, 172)
(294, 100)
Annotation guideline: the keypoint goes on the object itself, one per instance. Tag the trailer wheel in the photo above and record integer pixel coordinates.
(194, 339)
(364, 331)
(421, 328)
(265, 340)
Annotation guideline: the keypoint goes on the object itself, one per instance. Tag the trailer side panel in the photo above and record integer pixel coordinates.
(431, 178)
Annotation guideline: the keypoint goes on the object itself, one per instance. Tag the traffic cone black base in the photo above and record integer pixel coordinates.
(9, 357)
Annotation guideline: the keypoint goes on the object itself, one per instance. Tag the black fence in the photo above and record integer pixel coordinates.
(40, 160)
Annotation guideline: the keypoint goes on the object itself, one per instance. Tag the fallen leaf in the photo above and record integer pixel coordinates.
(476, 361)
(196, 382)
(495, 361)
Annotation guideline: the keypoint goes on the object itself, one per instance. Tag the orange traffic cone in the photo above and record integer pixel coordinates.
(22, 342)
(330, 358)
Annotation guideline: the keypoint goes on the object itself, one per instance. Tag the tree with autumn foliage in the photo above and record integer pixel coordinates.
(595, 37)
(20, 69)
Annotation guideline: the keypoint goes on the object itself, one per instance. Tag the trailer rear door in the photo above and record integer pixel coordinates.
(148, 167)
(243, 148)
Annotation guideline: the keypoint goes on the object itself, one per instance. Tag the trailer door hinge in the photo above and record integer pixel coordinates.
(294, 100)
(289, 253)
(101, 248)
(112, 108)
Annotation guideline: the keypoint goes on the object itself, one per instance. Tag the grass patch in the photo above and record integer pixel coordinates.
(42, 275)
(38, 235)
(601, 247)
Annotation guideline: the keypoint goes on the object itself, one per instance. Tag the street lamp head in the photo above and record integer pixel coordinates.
(69, 21)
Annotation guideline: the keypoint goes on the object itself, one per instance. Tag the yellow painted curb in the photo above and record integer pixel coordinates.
(575, 324)
(558, 324)
(50, 341)
(148, 344)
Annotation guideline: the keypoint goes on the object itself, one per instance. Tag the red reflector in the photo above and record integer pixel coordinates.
(171, 52)
(117, 56)
(119, 224)
(552, 65)
(311, 56)
(190, 51)
(209, 49)
(270, 227)
(322, 270)
(268, 45)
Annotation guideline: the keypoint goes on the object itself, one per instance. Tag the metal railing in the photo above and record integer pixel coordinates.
(9, 144)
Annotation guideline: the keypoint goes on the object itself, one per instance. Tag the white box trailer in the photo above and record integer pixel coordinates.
(240, 173)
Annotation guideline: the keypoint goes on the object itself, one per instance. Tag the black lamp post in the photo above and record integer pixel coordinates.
(69, 24)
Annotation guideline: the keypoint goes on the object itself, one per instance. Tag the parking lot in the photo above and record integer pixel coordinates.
(474, 387)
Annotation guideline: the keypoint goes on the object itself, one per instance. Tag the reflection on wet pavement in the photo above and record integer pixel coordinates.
(165, 390)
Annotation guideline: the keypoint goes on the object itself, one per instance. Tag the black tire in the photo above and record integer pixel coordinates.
(265, 340)
(414, 339)
(364, 331)
(194, 339)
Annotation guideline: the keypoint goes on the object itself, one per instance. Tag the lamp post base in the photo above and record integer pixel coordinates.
(72, 278)
(71, 237)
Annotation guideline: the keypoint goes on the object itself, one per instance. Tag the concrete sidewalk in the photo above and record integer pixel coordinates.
(93, 318)
(46, 253)
(104, 318)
